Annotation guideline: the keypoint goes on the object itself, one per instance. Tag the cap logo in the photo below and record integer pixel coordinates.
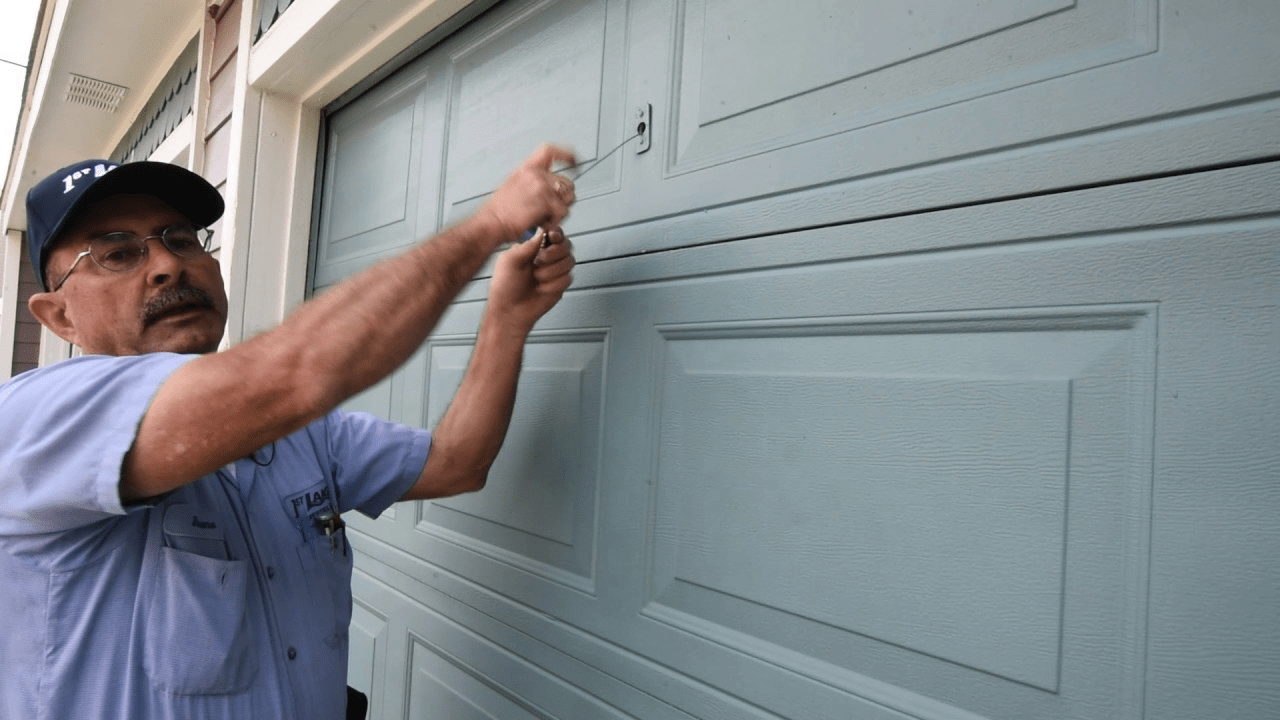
(69, 182)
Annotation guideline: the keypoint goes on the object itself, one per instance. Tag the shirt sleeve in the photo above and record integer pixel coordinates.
(64, 432)
(375, 461)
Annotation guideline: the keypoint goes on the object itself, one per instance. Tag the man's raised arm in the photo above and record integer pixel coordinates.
(225, 405)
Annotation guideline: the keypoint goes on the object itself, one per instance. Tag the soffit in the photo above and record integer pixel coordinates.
(127, 44)
(319, 49)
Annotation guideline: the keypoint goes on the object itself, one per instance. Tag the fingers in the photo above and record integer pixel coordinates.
(542, 160)
(561, 195)
(553, 244)
(544, 249)
(550, 253)
(565, 189)
(545, 272)
(533, 195)
(543, 157)
(531, 277)
(525, 252)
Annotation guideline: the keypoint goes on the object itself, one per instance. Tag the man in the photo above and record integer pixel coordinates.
(170, 534)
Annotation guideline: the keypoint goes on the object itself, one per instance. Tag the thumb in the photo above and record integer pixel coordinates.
(523, 253)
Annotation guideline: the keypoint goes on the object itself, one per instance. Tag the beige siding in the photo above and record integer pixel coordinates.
(222, 77)
(221, 95)
(224, 42)
(26, 339)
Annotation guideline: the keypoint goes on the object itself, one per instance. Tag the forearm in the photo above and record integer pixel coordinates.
(329, 349)
(467, 439)
(225, 405)
(355, 334)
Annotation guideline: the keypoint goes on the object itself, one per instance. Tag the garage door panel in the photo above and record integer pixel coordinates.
(537, 72)
(776, 75)
(884, 497)
(538, 510)
(373, 181)
(753, 58)
(447, 681)
(368, 645)
(732, 598)
(1098, 91)
(953, 515)
(441, 688)
(946, 80)
(835, 452)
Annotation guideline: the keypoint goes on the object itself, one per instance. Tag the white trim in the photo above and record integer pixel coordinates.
(303, 62)
(275, 270)
(238, 194)
(14, 201)
(176, 148)
(9, 283)
(53, 349)
(200, 102)
(312, 54)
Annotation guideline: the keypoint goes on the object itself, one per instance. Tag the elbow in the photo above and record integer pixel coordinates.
(444, 477)
(471, 481)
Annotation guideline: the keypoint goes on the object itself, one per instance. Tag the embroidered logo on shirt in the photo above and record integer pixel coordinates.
(302, 507)
(305, 503)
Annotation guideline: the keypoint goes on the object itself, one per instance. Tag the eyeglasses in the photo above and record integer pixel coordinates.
(124, 251)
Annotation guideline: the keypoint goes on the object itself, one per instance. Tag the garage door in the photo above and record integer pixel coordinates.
(921, 363)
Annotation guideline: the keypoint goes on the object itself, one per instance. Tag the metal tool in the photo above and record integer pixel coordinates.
(640, 132)
(330, 523)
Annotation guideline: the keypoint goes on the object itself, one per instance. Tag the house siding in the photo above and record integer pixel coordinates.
(26, 345)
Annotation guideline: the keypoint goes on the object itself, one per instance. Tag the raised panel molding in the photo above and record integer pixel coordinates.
(555, 70)
(366, 650)
(379, 148)
(754, 78)
(1100, 91)
(474, 679)
(440, 687)
(538, 510)
(1202, 278)
(961, 472)
(748, 64)
(372, 159)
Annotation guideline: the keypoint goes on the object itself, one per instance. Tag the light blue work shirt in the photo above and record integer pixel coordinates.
(222, 600)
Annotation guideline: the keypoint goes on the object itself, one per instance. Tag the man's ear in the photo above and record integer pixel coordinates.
(51, 310)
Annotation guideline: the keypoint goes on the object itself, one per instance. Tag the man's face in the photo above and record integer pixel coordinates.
(169, 303)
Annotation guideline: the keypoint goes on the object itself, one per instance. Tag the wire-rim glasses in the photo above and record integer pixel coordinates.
(125, 251)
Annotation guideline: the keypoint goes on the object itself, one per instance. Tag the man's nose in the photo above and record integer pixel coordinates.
(162, 264)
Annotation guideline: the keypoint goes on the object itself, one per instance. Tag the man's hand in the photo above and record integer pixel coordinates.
(530, 278)
(532, 196)
(527, 281)
(357, 333)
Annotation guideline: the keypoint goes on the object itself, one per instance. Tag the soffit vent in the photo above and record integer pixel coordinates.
(95, 93)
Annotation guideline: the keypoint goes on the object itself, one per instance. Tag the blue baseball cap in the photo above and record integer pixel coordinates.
(54, 200)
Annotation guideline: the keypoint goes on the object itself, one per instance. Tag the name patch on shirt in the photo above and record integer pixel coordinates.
(194, 529)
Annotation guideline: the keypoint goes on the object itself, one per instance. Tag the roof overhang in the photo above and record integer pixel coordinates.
(124, 43)
(319, 49)
(316, 51)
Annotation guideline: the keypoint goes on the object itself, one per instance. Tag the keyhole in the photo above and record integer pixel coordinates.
(640, 128)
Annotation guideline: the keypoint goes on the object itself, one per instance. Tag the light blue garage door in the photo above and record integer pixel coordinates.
(924, 366)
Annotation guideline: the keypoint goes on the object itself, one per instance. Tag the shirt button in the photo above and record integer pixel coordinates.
(271, 573)
(293, 653)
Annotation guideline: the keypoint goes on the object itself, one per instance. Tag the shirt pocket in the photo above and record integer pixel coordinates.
(327, 564)
(197, 639)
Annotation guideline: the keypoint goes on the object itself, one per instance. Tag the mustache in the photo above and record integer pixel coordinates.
(183, 295)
